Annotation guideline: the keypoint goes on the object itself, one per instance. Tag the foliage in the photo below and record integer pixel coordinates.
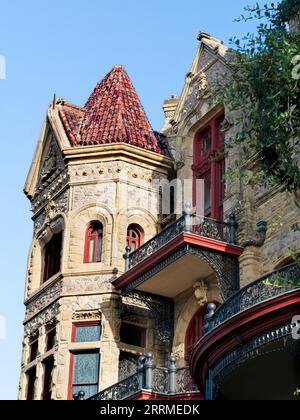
(278, 280)
(264, 95)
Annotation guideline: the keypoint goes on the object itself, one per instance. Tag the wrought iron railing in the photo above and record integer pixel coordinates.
(160, 380)
(267, 287)
(121, 390)
(164, 381)
(201, 226)
(184, 381)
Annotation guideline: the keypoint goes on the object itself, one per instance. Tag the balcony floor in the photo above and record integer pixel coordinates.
(178, 277)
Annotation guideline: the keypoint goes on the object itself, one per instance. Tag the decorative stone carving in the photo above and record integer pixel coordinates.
(43, 300)
(180, 161)
(201, 292)
(30, 268)
(202, 85)
(49, 164)
(50, 193)
(41, 319)
(93, 315)
(226, 124)
(198, 90)
(53, 207)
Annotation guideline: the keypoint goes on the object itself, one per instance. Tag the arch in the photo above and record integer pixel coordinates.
(79, 223)
(132, 216)
(194, 332)
(93, 242)
(135, 236)
(52, 256)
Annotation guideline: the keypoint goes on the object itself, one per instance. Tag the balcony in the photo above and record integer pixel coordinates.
(151, 382)
(192, 248)
(248, 351)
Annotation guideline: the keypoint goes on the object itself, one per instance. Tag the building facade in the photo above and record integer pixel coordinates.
(116, 284)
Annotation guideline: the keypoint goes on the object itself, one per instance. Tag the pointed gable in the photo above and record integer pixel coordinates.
(212, 59)
(112, 114)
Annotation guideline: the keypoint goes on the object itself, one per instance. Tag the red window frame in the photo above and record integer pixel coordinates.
(72, 362)
(211, 162)
(52, 256)
(83, 324)
(94, 233)
(134, 237)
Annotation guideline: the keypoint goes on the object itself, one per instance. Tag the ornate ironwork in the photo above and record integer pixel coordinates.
(121, 390)
(127, 365)
(226, 268)
(252, 349)
(200, 226)
(157, 242)
(267, 287)
(161, 311)
(160, 380)
(209, 228)
(184, 381)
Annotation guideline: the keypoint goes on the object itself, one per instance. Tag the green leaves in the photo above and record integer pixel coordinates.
(263, 90)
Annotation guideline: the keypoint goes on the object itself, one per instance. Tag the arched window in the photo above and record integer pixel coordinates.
(93, 243)
(194, 331)
(52, 256)
(209, 165)
(134, 237)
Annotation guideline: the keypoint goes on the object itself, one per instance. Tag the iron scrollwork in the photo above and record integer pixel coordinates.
(267, 287)
(161, 311)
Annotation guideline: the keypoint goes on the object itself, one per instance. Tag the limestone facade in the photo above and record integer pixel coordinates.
(114, 184)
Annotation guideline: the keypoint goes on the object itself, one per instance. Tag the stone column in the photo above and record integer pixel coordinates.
(249, 266)
(111, 321)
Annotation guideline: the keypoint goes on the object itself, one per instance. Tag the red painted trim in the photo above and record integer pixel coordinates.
(70, 385)
(135, 234)
(88, 237)
(245, 325)
(82, 324)
(152, 396)
(172, 246)
(210, 164)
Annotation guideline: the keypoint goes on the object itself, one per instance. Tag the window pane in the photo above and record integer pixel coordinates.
(48, 370)
(207, 194)
(33, 351)
(87, 333)
(86, 368)
(51, 339)
(31, 380)
(89, 390)
(91, 250)
(206, 143)
(99, 248)
(133, 335)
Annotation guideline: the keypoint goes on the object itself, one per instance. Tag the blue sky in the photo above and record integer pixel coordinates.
(66, 47)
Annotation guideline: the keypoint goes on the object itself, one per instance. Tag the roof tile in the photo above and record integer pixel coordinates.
(113, 113)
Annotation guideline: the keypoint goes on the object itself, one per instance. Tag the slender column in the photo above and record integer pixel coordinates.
(172, 371)
(126, 258)
(149, 367)
(141, 371)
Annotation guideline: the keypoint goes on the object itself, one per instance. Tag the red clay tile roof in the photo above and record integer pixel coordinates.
(112, 114)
